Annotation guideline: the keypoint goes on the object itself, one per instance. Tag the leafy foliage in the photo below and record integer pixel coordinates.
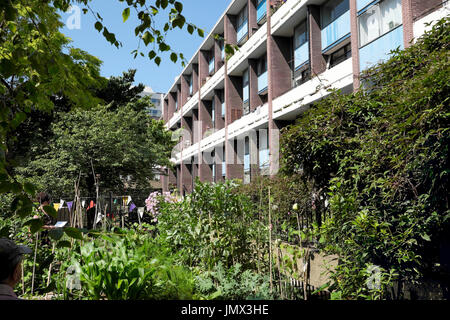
(122, 143)
(380, 156)
(213, 224)
(233, 284)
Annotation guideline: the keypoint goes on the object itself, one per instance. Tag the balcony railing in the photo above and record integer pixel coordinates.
(262, 82)
(336, 31)
(379, 49)
(301, 55)
(261, 10)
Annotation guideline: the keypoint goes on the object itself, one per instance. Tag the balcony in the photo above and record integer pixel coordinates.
(293, 101)
(336, 31)
(262, 82)
(261, 11)
(301, 55)
(379, 49)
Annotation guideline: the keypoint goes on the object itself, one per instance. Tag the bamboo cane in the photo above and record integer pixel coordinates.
(270, 244)
(34, 263)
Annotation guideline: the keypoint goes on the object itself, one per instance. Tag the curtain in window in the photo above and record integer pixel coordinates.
(369, 25)
(391, 15)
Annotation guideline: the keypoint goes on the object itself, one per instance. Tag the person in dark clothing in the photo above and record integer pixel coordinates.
(11, 256)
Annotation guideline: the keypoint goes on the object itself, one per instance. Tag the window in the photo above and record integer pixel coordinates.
(341, 55)
(176, 103)
(379, 20)
(223, 105)
(224, 167)
(242, 24)
(262, 74)
(247, 155)
(190, 84)
(245, 86)
(332, 10)
(301, 47)
(261, 10)
(222, 50)
(211, 63)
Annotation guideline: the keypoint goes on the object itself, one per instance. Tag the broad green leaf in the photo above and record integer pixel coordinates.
(126, 14)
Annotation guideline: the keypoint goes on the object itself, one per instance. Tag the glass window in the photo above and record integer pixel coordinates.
(242, 25)
(247, 155)
(378, 20)
(262, 65)
(190, 83)
(341, 55)
(245, 86)
(301, 48)
(332, 10)
(260, 10)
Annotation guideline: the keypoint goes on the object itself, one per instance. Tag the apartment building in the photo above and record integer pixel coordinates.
(229, 111)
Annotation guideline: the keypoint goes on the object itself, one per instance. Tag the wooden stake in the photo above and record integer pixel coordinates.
(34, 263)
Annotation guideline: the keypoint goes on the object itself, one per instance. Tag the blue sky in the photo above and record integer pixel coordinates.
(202, 13)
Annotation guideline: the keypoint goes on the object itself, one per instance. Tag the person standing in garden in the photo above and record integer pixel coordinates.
(11, 256)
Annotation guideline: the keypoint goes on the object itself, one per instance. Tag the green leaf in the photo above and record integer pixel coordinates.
(35, 225)
(50, 210)
(179, 6)
(56, 234)
(148, 37)
(425, 237)
(200, 33)
(74, 233)
(152, 54)
(174, 57)
(98, 25)
(29, 188)
(126, 14)
(63, 244)
(158, 60)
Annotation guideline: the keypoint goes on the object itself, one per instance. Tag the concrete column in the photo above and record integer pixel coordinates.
(233, 98)
(184, 90)
(186, 177)
(171, 107)
(220, 123)
(204, 117)
(407, 19)
(234, 155)
(230, 29)
(205, 173)
(172, 178)
(203, 67)
(280, 55)
(255, 99)
(179, 99)
(354, 44)
(218, 62)
(165, 182)
(195, 80)
(252, 24)
(187, 125)
(166, 110)
(316, 59)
